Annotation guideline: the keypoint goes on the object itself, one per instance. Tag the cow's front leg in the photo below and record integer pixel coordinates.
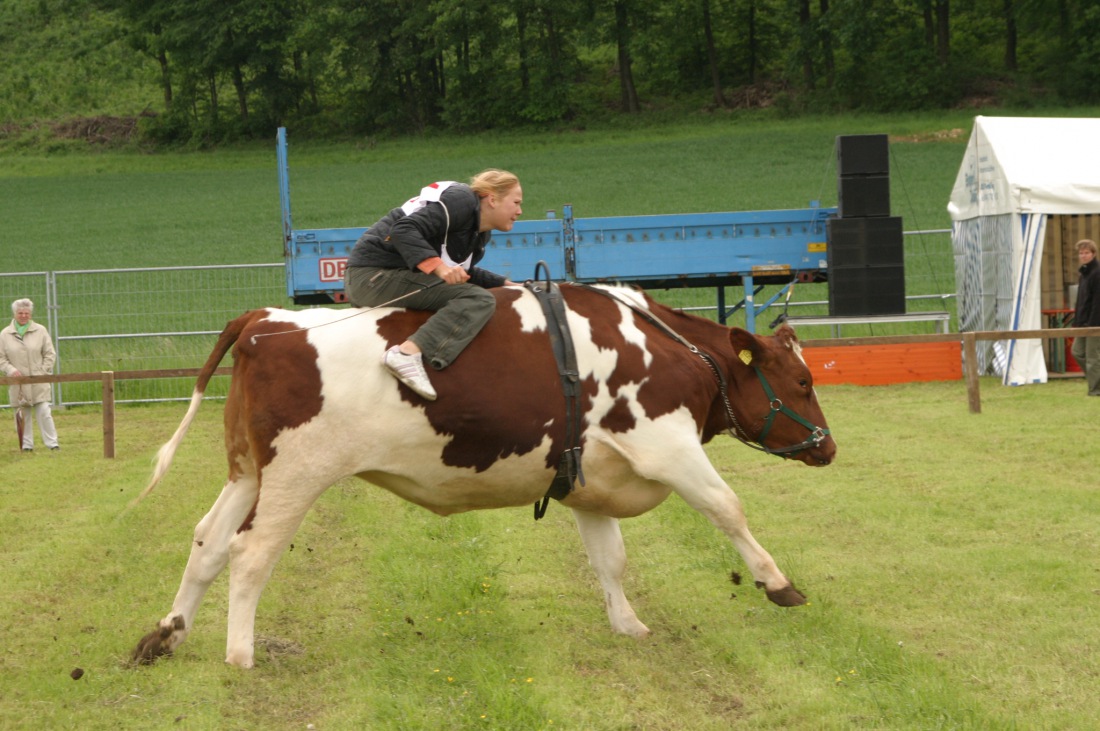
(607, 555)
(714, 499)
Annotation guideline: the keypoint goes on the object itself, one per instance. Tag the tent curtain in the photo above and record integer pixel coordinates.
(1025, 363)
(983, 275)
(997, 273)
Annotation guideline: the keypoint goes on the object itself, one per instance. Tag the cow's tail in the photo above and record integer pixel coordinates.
(167, 452)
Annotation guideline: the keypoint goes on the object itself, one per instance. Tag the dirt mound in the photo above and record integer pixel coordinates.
(100, 130)
(937, 136)
(753, 96)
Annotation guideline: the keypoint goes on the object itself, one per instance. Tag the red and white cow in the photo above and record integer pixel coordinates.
(310, 404)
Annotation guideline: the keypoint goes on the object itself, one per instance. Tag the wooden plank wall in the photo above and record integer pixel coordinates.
(1059, 266)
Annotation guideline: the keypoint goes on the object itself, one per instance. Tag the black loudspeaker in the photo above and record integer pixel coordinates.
(872, 291)
(863, 196)
(866, 261)
(863, 180)
(863, 155)
(864, 242)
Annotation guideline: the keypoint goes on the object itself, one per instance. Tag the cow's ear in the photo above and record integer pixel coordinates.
(785, 334)
(746, 346)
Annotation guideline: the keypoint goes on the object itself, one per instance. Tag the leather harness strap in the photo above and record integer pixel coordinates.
(561, 340)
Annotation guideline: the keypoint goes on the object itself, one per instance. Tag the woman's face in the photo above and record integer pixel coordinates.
(22, 316)
(500, 212)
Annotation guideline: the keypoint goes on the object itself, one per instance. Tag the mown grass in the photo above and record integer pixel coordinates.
(82, 211)
(125, 209)
(950, 560)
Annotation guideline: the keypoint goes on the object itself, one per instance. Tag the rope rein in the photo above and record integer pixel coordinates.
(443, 250)
(357, 313)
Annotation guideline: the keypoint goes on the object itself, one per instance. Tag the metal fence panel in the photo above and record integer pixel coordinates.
(169, 317)
(136, 319)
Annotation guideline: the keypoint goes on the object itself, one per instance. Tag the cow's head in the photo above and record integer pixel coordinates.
(772, 400)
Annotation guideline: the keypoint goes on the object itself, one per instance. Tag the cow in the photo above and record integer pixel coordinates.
(309, 404)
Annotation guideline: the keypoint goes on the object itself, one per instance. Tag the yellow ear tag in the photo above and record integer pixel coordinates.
(745, 356)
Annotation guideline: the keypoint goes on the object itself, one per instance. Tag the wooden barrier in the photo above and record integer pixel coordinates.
(880, 365)
(108, 379)
(968, 340)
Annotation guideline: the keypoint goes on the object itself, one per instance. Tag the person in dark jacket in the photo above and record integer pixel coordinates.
(1087, 314)
(423, 255)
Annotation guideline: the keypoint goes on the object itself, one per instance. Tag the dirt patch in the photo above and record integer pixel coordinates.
(747, 96)
(100, 130)
(942, 135)
(277, 647)
(752, 96)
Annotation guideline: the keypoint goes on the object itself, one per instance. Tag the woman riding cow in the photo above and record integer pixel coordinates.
(434, 239)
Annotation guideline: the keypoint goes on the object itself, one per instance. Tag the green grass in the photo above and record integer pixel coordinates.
(192, 208)
(949, 557)
(950, 561)
(94, 210)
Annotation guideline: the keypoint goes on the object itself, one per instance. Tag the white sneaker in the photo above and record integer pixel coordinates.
(409, 369)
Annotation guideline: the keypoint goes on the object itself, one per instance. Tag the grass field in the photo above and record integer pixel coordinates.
(79, 211)
(950, 560)
(106, 210)
(124, 209)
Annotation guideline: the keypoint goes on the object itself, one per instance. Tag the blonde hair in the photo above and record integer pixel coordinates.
(23, 304)
(493, 181)
(1087, 244)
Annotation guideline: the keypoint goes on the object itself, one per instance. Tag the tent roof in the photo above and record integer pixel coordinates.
(1029, 165)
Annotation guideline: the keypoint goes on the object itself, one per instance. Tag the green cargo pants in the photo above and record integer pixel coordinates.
(1087, 353)
(461, 310)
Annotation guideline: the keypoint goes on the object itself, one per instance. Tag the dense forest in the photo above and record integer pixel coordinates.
(227, 69)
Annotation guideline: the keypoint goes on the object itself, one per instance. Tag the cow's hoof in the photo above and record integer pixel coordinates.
(158, 642)
(788, 596)
(630, 626)
(244, 661)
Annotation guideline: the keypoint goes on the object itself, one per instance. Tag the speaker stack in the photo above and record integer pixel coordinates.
(865, 253)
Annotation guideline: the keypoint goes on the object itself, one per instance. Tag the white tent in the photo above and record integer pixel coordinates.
(1027, 191)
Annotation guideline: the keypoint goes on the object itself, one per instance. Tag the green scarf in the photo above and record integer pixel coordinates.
(21, 330)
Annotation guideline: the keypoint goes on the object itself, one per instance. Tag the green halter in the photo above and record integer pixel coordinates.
(817, 434)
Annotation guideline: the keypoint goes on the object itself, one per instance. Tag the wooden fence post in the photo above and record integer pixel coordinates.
(108, 414)
(970, 366)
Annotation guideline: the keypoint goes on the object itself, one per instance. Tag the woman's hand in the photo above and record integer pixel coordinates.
(451, 275)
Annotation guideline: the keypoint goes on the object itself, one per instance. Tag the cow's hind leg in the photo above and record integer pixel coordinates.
(209, 554)
(607, 555)
(253, 552)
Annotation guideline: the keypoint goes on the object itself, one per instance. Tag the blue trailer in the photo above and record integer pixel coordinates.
(750, 249)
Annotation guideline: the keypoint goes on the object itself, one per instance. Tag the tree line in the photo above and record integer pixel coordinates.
(242, 67)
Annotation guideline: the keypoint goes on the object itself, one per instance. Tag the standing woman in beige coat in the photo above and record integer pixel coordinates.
(26, 350)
